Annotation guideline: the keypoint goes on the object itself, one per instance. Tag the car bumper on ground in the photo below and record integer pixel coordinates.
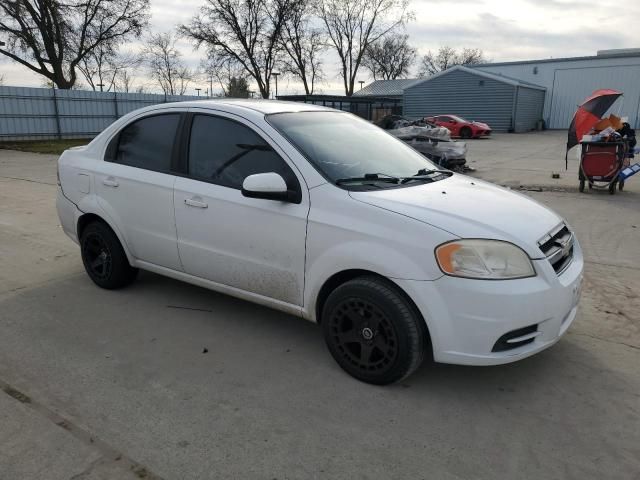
(467, 318)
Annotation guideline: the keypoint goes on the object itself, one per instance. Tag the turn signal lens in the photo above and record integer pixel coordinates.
(484, 259)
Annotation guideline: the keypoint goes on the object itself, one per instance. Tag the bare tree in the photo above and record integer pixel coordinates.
(165, 64)
(303, 46)
(448, 57)
(103, 67)
(244, 32)
(123, 81)
(52, 37)
(389, 58)
(353, 25)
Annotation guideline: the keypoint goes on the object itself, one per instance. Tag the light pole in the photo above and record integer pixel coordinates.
(275, 74)
(198, 90)
(100, 85)
(361, 82)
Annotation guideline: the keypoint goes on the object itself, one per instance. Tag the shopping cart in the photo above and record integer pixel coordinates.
(600, 164)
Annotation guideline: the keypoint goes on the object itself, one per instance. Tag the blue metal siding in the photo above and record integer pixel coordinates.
(529, 107)
(44, 113)
(462, 93)
(568, 82)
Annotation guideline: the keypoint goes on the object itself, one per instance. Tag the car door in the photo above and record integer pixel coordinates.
(255, 245)
(134, 186)
(449, 123)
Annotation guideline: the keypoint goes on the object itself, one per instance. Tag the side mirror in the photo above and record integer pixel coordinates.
(270, 186)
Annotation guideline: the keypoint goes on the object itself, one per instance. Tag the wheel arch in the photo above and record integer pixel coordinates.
(89, 217)
(340, 278)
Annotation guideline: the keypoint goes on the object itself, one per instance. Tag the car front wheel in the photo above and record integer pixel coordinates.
(465, 132)
(104, 258)
(373, 331)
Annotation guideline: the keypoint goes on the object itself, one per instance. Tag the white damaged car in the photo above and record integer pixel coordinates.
(320, 214)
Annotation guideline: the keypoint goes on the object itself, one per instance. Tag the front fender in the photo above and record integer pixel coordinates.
(360, 255)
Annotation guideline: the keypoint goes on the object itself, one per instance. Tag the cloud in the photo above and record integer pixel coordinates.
(505, 30)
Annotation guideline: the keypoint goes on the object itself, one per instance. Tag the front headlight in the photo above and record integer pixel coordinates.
(484, 259)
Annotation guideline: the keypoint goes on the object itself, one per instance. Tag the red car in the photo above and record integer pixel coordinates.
(460, 127)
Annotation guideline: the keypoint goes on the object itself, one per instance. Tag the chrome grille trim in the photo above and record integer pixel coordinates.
(557, 247)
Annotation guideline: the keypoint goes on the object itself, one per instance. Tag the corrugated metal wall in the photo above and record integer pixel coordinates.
(568, 82)
(462, 93)
(44, 113)
(529, 107)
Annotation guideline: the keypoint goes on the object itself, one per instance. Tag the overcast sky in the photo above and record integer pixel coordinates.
(503, 29)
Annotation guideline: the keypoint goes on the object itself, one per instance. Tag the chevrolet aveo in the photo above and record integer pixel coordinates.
(320, 214)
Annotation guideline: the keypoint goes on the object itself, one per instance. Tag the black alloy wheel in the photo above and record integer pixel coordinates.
(104, 259)
(98, 257)
(363, 335)
(373, 331)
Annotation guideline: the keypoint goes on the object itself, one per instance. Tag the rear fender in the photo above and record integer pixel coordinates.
(90, 205)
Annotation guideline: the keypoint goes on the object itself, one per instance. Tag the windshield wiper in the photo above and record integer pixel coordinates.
(369, 178)
(424, 174)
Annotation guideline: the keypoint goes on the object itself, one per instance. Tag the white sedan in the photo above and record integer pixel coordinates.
(320, 214)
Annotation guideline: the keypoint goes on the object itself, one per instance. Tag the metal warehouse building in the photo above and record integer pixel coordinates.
(504, 103)
(514, 95)
(569, 80)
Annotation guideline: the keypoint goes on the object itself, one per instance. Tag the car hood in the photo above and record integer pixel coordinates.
(470, 208)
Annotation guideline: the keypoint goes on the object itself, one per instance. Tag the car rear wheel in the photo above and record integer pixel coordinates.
(465, 132)
(104, 258)
(373, 332)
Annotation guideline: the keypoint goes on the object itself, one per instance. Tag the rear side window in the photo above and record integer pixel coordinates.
(225, 152)
(148, 143)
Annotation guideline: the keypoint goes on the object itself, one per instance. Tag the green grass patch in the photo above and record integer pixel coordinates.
(55, 147)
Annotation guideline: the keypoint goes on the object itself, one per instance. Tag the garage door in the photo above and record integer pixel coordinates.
(571, 86)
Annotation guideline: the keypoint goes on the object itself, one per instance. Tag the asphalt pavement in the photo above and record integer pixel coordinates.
(166, 380)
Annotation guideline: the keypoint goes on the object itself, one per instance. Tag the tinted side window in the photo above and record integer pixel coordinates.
(148, 142)
(225, 152)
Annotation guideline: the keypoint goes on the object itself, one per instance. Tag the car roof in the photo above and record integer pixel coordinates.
(257, 105)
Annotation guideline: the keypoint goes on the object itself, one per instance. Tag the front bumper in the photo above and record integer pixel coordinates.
(467, 317)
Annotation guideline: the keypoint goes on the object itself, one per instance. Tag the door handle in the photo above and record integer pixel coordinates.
(194, 202)
(110, 182)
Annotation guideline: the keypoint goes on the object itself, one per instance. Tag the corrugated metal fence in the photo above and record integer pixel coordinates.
(46, 113)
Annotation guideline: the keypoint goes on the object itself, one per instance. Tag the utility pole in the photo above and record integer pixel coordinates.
(276, 74)
(198, 90)
(100, 85)
(361, 82)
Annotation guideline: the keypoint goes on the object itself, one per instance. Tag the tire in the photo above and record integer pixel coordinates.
(104, 258)
(373, 332)
(581, 187)
(465, 132)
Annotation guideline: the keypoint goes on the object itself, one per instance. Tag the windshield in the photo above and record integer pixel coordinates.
(344, 146)
(459, 119)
